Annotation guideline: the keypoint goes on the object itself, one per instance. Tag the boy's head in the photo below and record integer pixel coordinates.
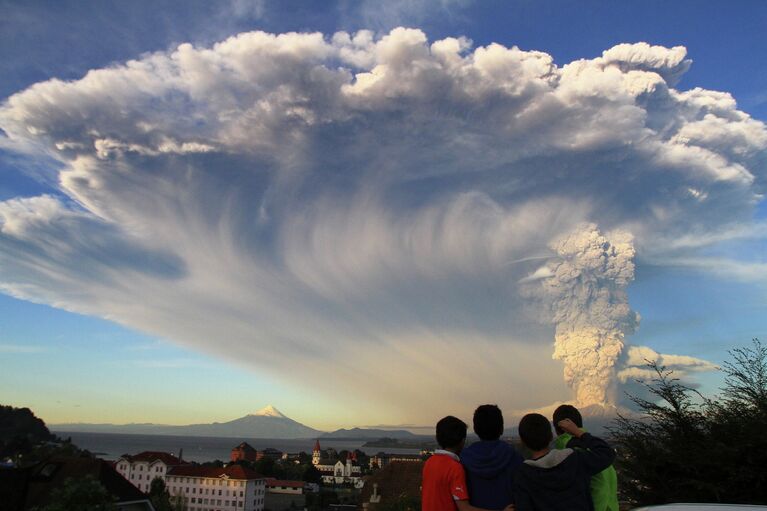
(451, 433)
(535, 431)
(488, 422)
(567, 412)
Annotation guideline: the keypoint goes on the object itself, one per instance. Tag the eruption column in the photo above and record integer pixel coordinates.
(585, 295)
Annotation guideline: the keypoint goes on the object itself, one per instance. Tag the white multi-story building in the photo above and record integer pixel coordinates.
(335, 471)
(141, 468)
(232, 488)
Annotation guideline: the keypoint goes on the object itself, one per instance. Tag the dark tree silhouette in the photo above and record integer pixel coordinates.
(82, 493)
(20, 431)
(687, 448)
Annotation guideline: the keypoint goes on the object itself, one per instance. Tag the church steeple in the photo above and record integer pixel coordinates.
(316, 453)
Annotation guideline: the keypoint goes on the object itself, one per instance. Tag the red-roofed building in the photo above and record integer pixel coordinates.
(141, 468)
(244, 451)
(231, 488)
(281, 486)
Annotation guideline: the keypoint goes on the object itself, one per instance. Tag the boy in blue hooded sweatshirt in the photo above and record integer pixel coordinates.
(491, 462)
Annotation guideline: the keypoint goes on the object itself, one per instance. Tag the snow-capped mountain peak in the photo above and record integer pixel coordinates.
(269, 411)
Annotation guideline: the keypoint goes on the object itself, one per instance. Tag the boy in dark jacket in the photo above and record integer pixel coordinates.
(604, 485)
(491, 462)
(558, 480)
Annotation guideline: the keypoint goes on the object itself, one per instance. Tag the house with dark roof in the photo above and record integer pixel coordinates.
(270, 453)
(139, 469)
(34, 487)
(245, 452)
(230, 488)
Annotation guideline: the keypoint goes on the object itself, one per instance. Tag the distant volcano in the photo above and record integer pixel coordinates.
(267, 422)
(269, 411)
(596, 418)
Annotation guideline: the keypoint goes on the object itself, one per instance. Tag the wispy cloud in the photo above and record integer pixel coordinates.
(744, 271)
(304, 203)
(638, 357)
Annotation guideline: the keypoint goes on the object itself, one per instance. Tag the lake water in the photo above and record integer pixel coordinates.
(111, 446)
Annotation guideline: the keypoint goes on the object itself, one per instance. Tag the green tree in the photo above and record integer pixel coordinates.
(738, 438)
(178, 503)
(312, 475)
(265, 467)
(159, 496)
(82, 493)
(687, 448)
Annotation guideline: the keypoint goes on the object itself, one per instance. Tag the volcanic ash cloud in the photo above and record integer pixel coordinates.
(583, 292)
(293, 202)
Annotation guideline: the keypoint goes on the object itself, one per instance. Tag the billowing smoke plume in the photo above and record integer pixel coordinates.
(584, 295)
(299, 202)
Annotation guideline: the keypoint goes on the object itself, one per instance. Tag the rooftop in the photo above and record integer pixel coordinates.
(153, 456)
(287, 484)
(230, 472)
(245, 446)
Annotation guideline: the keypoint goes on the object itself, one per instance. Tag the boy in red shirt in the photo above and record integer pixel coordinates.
(444, 482)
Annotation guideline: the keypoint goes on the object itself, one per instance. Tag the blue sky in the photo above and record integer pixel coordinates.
(137, 367)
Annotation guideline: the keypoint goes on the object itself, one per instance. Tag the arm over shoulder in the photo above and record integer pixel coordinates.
(595, 454)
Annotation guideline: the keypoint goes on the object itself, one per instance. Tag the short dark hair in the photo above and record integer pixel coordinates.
(567, 412)
(488, 422)
(535, 431)
(451, 431)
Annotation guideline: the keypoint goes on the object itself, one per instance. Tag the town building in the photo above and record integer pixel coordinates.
(285, 487)
(141, 468)
(285, 495)
(335, 471)
(244, 452)
(231, 488)
(295, 457)
(272, 454)
(339, 472)
(382, 459)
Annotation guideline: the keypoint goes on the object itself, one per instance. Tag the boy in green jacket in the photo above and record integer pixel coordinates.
(604, 485)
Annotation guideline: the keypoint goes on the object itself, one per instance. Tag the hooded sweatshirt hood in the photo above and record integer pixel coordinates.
(550, 472)
(489, 458)
(560, 480)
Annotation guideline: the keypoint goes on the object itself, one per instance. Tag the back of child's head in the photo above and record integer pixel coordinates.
(451, 431)
(488, 422)
(567, 412)
(535, 431)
